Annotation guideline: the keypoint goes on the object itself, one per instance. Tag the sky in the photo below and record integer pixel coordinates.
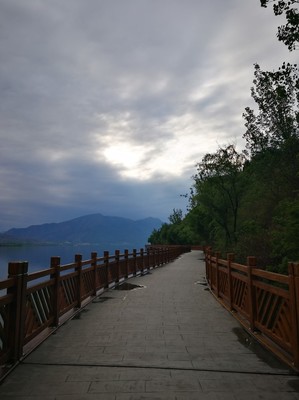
(106, 106)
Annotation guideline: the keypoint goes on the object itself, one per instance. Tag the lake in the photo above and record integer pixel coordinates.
(39, 257)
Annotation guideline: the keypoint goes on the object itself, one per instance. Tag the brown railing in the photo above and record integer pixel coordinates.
(266, 303)
(32, 305)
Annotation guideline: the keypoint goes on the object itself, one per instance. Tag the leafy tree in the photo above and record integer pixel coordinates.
(263, 189)
(285, 232)
(178, 231)
(176, 216)
(276, 95)
(217, 191)
(288, 33)
(199, 223)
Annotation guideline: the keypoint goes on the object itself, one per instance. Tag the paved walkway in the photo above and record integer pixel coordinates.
(169, 340)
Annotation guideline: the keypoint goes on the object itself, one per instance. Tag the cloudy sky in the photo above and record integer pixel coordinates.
(107, 105)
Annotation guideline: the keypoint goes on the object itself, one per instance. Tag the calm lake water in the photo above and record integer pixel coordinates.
(39, 257)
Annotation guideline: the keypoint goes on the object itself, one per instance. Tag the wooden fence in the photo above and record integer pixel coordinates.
(32, 305)
(265, 303)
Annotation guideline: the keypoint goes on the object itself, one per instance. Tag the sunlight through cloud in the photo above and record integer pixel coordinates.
(125, 155)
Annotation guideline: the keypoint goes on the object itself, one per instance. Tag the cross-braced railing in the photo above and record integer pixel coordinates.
(265, 302)
(33, 304)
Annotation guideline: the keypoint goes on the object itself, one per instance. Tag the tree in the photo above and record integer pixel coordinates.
(289, 33)
(277, 96)
(285, 232)
(271, 176)
(218, 190)
(179, 231)
(176, 216)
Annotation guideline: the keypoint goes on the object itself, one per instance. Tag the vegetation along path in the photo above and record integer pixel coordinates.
(167, 339)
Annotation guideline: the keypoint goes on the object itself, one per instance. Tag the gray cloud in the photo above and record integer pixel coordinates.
(107, 106)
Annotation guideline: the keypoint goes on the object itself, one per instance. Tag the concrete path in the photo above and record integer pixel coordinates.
(169, 340)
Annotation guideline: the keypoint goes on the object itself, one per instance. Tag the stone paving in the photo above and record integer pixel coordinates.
(169, 339)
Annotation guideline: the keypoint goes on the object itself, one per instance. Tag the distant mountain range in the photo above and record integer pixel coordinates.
(93, 229)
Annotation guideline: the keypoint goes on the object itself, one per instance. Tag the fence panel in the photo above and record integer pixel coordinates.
(39, 309)
(273, 313)
(6, 302)
(123, 266)
(88, 277)
(221, 282)
(265, 302)
(102, 274)
(68, 292)
(29, 304)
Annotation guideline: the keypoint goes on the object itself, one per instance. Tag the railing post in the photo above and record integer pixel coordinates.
(207, 261)
(157, 257)
(230, 260)
(208, 265)
(78, 261)
(217, 255)
(55, 266)
(94, 257)
(153, 257)
(142, 260)
(160, 256)
(117, 265)
(135, 261)
(106, 263)
(19, 271)
(127, 263)
(148, 259)
(251, 263)
(294, 306)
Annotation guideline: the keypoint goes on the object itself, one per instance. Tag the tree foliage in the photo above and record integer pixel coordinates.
(176, 216)
(176, 232)
(277, 96)
(218, 190)
(288, 33)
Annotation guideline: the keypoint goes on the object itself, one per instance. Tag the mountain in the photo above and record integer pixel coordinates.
(94, 229)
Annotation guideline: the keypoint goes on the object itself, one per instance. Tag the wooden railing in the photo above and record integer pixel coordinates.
(265, 303)
(32, 305)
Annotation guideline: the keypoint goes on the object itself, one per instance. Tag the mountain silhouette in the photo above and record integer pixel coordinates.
(94, 229)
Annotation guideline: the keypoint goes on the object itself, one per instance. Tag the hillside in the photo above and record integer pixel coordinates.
(95, 228)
